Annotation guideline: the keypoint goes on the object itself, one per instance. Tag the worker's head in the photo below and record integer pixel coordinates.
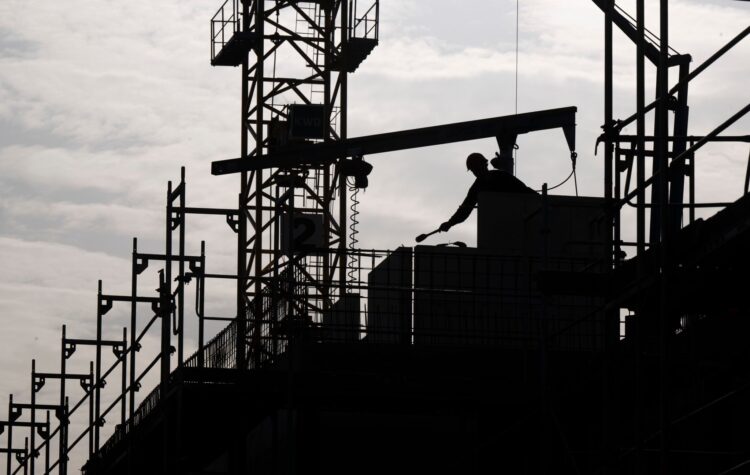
(476, 164)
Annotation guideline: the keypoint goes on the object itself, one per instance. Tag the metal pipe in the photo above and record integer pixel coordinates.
(63, 451)
(260, 23)
(201, 293)
(181, 271)
(609, 169)
(708, 62)
(677, 172)
(46, 448)
(98, 363)
(10, 437)
(92, 381)
(124, 361)
(638, 389)
(690, 151)
(662, 194)
(133, 314)
(165, 293)
(33, 417)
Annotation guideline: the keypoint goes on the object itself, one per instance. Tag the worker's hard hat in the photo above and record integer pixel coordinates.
(475, 160)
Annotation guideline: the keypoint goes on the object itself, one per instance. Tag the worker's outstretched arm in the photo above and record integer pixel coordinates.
(463, 211)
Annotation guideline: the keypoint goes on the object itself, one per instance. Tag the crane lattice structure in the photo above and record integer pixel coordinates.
(299, 99)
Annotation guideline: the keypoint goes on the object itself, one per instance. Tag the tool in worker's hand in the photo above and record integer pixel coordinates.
(422, 237)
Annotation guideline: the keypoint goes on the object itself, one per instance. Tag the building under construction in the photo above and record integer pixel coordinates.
(554, 346)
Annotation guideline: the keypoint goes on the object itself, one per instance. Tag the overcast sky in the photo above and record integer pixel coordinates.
(101, 102)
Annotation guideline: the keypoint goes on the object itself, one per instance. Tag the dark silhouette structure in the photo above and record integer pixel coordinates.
(546, 349)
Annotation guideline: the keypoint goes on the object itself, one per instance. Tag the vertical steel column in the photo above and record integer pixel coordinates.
(260, 26)
(640, 128)
(661, 115)
(242, 281)
(164, 310)
(328, 45)
(166, 293)
(46, 448)
(26, 454)
(33, 417)
(242, 210)
(679, 145)
(638, 414)
(98, 384)
(616, 212)
(91, 409)
(608, 113)
(65, 415)
(9, 467)
(691, 189)
(133, 333)
(181, 272)
(201, 291)
(661, 155)
(62, 417)
(344, 121)
(609, 169)
(124, 362)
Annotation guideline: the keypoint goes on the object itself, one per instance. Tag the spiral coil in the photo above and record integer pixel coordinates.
(352, 263)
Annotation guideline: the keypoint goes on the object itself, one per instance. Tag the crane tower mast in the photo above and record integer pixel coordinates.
(295, 57)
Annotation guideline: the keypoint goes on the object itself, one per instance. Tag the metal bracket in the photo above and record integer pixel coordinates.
(105, 305)
(85, 383)
(141, 264)
(38, 383)
(69, 349)
(233, 222)
(196, 268)
(174, 220)
(119, 350)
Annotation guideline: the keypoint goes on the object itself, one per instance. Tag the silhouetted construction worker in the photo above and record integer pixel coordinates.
(500, 180)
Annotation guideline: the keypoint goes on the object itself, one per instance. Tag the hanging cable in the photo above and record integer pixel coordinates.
(573, 157)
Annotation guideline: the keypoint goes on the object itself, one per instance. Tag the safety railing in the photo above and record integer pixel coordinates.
(219, 352)
(224, 24)
(364, 24)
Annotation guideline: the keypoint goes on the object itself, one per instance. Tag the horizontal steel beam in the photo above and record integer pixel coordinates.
(688, 138)
(194, 210)
(159, 257)
(129, 298)
(61, 376)
(82, 341)
(319, 153)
